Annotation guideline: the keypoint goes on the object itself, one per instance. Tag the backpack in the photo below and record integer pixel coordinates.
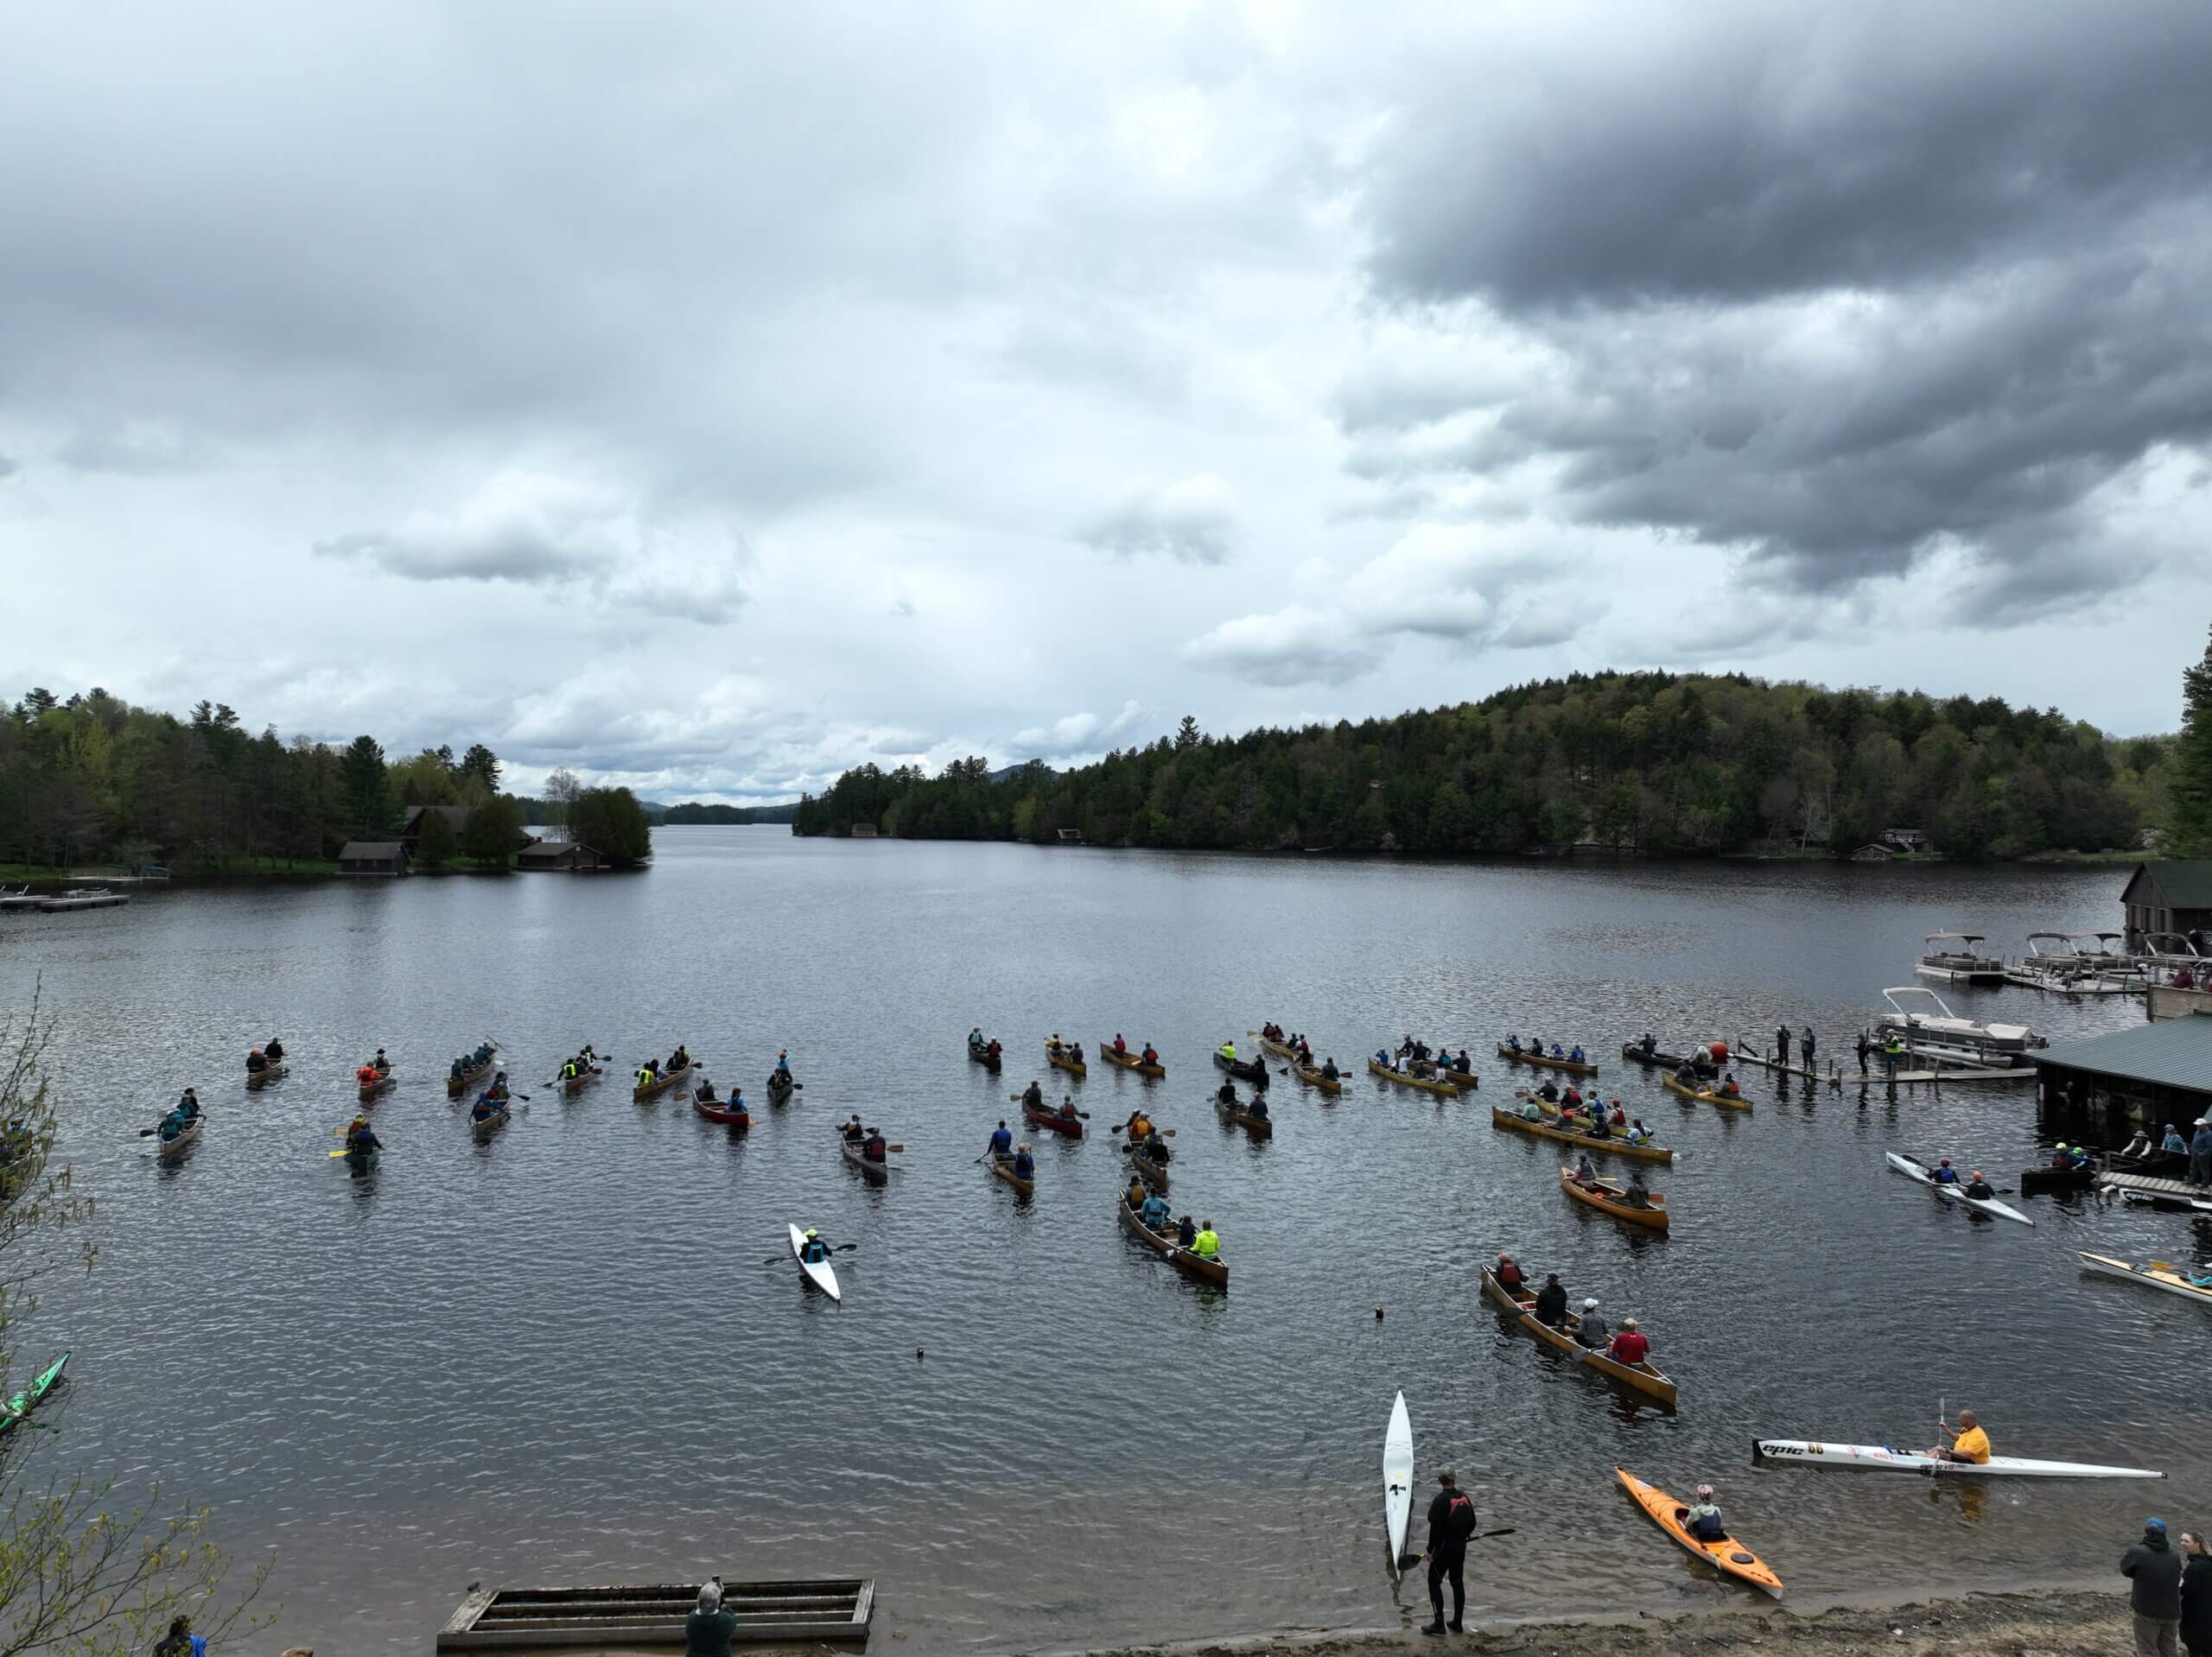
(1459, 1518)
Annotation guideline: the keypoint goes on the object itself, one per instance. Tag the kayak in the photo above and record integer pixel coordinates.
(1914, 1168)
(2163, 1203)
(819, 1272)
(27, 1400)
(1728, 1556)
(1397, 1480)
(1882, 1458)
(2151, 1274)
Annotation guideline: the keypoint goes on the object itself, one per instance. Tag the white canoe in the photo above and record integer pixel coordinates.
(2153, 1274)
(819, 1272)
(1882, 1458)
(1913, 1168)
(1397, 1480)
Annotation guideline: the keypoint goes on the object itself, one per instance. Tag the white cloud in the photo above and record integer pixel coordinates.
(1192, 520)
(1078, 734)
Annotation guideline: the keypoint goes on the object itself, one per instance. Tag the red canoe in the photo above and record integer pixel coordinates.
(1070, 1125)
(723, 1114)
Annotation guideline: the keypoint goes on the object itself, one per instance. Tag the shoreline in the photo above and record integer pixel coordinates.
(2076, 1621)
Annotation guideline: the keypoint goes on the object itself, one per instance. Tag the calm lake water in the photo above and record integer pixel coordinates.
(560, 1357)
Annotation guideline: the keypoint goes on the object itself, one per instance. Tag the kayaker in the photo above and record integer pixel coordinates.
(1551, 1301)
(1629, 1345)
(708, 1628)
(1024, 1165)
(274, 1050)
(1155, 1212)
(1450, 1524)
(1507, 1274)
(852, 1131)
(1590, 1330)
(815, 1250)
(874, 1147)
(1001, 1139)
(2155, 1599)
(1970, 1444)
(1207, 1244)
(1729, 1089)
(1945, 1174)
(1135, 1196)
(1703, 1519)
(1033, 1096)
(1978, 1187)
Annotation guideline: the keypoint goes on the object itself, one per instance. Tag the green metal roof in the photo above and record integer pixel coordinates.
(2181, 882)
(2173, 1053)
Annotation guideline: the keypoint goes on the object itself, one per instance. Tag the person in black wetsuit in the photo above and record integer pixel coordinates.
(1551, 1301)
(1451, 1522)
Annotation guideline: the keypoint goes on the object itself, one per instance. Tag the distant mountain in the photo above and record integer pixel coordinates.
(1008, 773)
(693, 811)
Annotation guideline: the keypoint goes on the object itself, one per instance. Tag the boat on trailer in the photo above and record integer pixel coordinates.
(1957, 958)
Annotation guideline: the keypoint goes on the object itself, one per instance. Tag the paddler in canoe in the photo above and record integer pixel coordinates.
(1154, 1210)
(875, 1148)
(1585, 1175)
(1509, 1275)
(1067, 1111)
(1205, 1242)
(1139, 1126)
(1033, 1095)
(383, 1064)
(1002, 1143)
(852, 1131)
(485, 1109)
(1135, 1196)
(498, 1092)
(361, 1140)
(256, 1062)
(1969, 1443)
(1024, 1165)
(1629, 1346)
(648, 1073)
(368, 1075)
(1728, 1089)
(1551, 1302)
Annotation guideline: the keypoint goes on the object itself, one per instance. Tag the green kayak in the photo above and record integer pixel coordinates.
(24, 1402)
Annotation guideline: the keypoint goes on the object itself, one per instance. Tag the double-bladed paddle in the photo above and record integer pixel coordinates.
(1408, 1561)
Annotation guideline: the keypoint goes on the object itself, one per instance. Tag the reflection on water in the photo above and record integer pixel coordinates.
(580, 1352)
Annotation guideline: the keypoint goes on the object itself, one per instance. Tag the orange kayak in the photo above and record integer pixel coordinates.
(1730, 1556)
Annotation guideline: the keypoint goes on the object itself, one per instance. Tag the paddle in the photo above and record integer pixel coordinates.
(835, 1248)
(1407, 1561)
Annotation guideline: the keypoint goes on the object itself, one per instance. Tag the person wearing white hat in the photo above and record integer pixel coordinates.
(2200, 1154)
(1590, 1332)
(708, 1628)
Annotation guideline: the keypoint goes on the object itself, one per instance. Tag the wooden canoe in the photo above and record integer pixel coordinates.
(779, 1086)
(1215, 1271)
(1067, 1057)
(1567, 1064)
(1705, 1095)
(855, 1155)
(654, 1089)
(1315, 1079)
(1259, 1127)
(1053, 1122)
(1003, 1168)
(984, 1056)
(382, 1084)
(1612, 1199)
(1153, 1173)
(1552, 1130)
(1657, 1060)
(1420, 1081)
(721, 1113)
(1132, 1062)
(1244, 1069)
(572, 1083)
(1134, 1225)
(1280, 1049)
(457, 1085)
(485, 1126)
(257, 1080)
(188, 1136)
(1523, 1309)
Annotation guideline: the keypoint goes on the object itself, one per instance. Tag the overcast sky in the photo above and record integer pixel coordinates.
(714, 396)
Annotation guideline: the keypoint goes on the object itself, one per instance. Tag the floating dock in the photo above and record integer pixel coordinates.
(1948, 1070)
(82, 899)
(834, 1610)
(2154, 1186)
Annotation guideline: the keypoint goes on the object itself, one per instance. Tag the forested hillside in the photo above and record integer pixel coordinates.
(1647, 762)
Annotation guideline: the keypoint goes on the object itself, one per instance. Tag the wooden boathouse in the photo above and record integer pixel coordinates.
(2153, 1075)
(372, 857)
(560, 857)
(2171, 895)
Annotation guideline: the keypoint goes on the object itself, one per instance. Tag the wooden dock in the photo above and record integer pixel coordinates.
(1878, 1076)
(834, 1610)
(2159, 1187)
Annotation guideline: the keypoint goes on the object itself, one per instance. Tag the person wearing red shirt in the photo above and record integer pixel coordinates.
(1629, 1345)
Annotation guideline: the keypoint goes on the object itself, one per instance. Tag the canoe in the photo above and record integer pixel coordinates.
(739, 1119)
(2163, 1203)
(384, 1083)
(27, 1400)
(1642, 1376)
(257, 1080)
(1132, 1062)
(361, 1162)
(1729, 1556)
(1315, 1079)
(1244, 1069)
(170, 1150)
(1657, 1059)
(1552, 1130)
(457, 1085)
(1260, 1128)
(1397, 1480)
(1421, 1082)
(819, 1272)
(572, 1083)
(1882, 1459)
(853, 1155)
(485, 1126)
(1133, 1224)
(1215, 1271)
(779, 1086)
(1151, 1172)
(1003, 1167)
(985, 1057)
(1570, 1066)
(2154, 1274)
(1913, 1168)
(654, 1089)
(1069, 1058)
(1053, 1122)
(1280, 1049)
(1705, 1095)
(1609, 1198)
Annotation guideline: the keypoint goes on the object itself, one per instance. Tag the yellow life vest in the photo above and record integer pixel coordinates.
(1206, 1245)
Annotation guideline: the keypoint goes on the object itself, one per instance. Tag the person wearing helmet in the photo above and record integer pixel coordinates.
(1590, 1332)
(1977, 1187)
(1703, 1519)
(815, 1250)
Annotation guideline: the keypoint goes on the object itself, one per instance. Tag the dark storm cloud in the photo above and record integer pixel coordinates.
(1844, 288)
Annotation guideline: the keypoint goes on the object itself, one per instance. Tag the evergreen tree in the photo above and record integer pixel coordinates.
(483, 765)
(493, 831)
(437, 844)
(2189, 783)
(366, 790)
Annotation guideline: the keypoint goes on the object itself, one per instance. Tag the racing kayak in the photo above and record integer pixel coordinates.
(1397, 1480)
(819, 1272)
(1882, 1458)
(2151, 1274)
(1728, 1555)
(27, 1400)
(1914, 1168)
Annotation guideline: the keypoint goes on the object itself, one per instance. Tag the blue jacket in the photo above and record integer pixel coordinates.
(1001, 1140)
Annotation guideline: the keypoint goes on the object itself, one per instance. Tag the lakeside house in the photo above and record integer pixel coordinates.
(410, 826)
(2153, 1074)
(863, 831)
(559, 857)
(386, 857)
(2172, 897)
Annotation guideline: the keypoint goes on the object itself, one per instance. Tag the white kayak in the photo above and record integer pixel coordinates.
(1913, 1168)
(819, 1272)
(1881, 1458)
(1397, 1480)
(2151, 1274)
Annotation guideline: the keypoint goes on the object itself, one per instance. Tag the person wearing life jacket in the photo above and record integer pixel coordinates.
(1508, 1274)
(1139, 1126)
(1135, 1196)
(783, 1061)
(1945, 1174)
(1573, 1099)
(460, 1068)
(498, 1093)
(1638, 1133)
(1729, 1089)
(1120, 1046)
(991, 1048)
(1585, 1175)
(852, 1131)
(1155, 1212)
(485, 1109)
(976, 1039)
(1703, 1519)
(361, 1139)
(1024, 1165)
(1228, 1052)
(368, 1075)
(570, 1071)
(648, 1073)
(589, 1057)
(815, 1247)
(1067, 1111)
(1639, 1195)
(1148, 1055)
(1629, 1345)
(1619, 1118)
(1575, 1053)
(678, 1060)
(1001, 1141)
(874, 1147)
(1206, 1245)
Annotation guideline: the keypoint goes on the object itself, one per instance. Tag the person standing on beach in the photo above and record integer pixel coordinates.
(1450, 1523)
(2155, 1569)
(2196, 1595)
